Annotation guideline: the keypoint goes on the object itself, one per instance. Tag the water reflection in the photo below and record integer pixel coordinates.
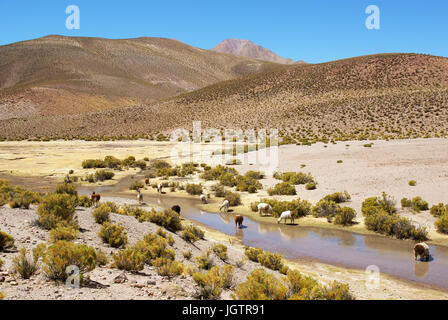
(421, 268)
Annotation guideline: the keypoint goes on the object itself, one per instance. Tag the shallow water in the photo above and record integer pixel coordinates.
(391, 256)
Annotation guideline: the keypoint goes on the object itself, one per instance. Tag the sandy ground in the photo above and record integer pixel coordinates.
(143, 285)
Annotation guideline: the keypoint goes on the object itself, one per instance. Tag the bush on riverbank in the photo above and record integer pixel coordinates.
(442, 224)
(283, 188)
(417, 204)
(439, 210)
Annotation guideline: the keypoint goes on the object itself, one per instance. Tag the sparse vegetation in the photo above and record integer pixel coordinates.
(113, 234)
(283, 188)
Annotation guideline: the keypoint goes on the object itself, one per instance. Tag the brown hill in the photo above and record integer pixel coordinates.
(58, 75)
(249, 49)
(389, 95)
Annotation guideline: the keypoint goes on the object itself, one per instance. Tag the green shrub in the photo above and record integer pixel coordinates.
(66, 188)
(23, 199)
(261, 285)
(253, 253)
(102, 175)
(326, 209)
(418, 204)
(221, 251)
(205, 261)
(338, 197)
(84, 201)
(112, 162)
(194, 189)
(345, 216)
(93, 164)
(63, 232)
(406, 203)
(375, 204)
(24, 265)
(249, 184)
(136, 186)
(255, 175)
(219, 190)
(101, 214)
(168, 268)
(283, 188)
(412, 183)
(442, 224)
(63, 254)
(159, 164)
(114, 235)
(234, 198)
(187, 254)
(56, 209)
(294, 178)
(130, 260)
(167, 219)
(439, 210)
(310, 186)
(212, 282)
(271, 260)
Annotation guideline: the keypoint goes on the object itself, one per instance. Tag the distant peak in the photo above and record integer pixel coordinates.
(247, 48)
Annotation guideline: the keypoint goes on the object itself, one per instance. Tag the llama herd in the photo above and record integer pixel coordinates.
(420, 249)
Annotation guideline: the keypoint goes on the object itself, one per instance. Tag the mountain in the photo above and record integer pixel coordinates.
(60, 75)
(249, 49)
(386, 96)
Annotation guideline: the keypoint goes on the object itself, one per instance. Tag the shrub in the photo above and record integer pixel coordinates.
(412, 183)
(375, 204)
(253, 253)
(112, 162)
(84, 201)
(219, 190)
(93, 164)
(345, 216)
(271, 260)
(66, 188)
(136, 186)
(130, 260)
(294, 178)
(212, 282)
(283, 188)
(187, 254)
(168, 268)
(254, 175)
(23, 199)
(113, 234)
(221, 251)
(63, 254)
(406, 203)
(159, 164)
(338, 197)
(101, 214)
(194, 189)
(63, 232)
(325, 208)
(1, 263)
(24, 265)
(167, 219)
(234, 198)
(261, 285)
(442, 224)
(337, 291)
(56, 209)
(439, 210)
(249, 184)
(204, 261)
(418, 204)
(310, 186)
(6, 242)
(102, 175)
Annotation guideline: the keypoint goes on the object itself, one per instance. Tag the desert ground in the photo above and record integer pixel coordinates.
(364, 172)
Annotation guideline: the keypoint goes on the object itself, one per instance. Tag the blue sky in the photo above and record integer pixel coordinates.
(310, 30)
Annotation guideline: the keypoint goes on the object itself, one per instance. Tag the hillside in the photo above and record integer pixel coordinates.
(60, 75)
(389, 95)
(249, 49)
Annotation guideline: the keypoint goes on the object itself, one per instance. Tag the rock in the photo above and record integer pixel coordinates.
(122, 278)
(2, 279)
(138, 285)
(151, 283)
